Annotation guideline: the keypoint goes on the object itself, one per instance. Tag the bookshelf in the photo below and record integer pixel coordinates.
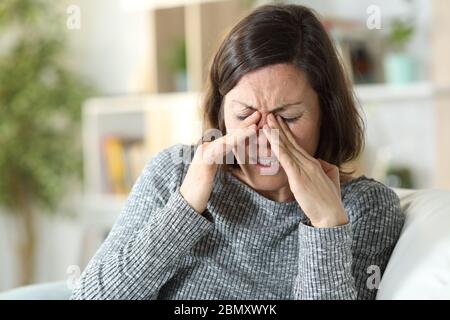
(149, 123)
(193, 29)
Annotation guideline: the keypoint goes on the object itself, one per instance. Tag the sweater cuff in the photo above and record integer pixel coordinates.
(180, 225)
(324, 238)
(325, 258)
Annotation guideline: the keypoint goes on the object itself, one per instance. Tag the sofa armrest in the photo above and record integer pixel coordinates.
(419, 265)
(44, 291)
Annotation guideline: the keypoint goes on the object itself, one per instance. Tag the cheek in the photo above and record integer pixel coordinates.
(306, 136)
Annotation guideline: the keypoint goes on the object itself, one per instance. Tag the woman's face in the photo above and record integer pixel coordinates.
(266, 90)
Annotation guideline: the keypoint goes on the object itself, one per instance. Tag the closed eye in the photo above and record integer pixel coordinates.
(242, 118)
(244, 115)
(290, 120)
(287, 120)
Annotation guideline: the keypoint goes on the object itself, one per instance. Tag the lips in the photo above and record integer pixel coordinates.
(265, 162)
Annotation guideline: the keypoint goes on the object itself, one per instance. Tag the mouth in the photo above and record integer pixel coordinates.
(263, 162)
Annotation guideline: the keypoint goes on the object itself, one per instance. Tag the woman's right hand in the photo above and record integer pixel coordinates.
(198, 183)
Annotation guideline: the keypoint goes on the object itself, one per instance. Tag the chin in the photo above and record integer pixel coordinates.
(260, 180)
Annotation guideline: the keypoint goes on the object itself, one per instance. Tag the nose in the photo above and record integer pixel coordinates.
(261, 137)
(262, 121)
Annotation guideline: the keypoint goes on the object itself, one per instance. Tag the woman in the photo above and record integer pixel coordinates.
(284, 224)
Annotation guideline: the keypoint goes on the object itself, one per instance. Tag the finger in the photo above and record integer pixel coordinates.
(225, 144)
(307, 165)
(239, 145)
(275, 125)
(275, 137)
(280, 151)
(251, 119)
(237, 136)
(290, 144)
(215, 134)
(290, 137)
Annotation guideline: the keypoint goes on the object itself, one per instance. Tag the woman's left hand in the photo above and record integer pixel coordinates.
(314, 182)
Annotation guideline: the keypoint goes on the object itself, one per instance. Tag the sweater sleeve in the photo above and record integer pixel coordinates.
(154, 230)
(347, 262)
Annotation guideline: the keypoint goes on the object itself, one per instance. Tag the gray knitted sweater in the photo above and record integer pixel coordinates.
(244, 246)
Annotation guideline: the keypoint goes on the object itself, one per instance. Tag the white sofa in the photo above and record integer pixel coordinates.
(419, 267)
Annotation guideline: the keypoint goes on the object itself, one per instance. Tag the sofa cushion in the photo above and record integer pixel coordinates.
(419, 267)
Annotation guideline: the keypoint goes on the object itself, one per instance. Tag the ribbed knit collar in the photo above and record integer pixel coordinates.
(259, 198)
(245, 205)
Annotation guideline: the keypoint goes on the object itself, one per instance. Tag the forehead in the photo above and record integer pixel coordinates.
(271, 84)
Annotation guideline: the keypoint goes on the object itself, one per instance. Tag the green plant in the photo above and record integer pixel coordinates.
(400, 34)
(399, 177)
(40, 101)
(176, 58)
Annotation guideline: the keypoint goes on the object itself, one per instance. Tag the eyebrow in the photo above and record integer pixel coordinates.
(280, 108)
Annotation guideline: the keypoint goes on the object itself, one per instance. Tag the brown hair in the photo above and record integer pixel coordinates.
(274, 34)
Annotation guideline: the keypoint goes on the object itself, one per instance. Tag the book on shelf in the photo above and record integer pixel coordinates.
(123, 160)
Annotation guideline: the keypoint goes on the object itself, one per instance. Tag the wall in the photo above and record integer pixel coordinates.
(403, 133)
(111, 48)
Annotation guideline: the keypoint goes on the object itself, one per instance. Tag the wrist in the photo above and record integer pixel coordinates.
(195, 200)
(335, 220)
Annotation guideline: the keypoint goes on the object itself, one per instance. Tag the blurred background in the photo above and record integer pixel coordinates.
(90, 90)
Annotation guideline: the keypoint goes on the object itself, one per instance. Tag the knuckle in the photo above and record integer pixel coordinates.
(315, 162)
(312, 165)
(334, 167)
(290, 162)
